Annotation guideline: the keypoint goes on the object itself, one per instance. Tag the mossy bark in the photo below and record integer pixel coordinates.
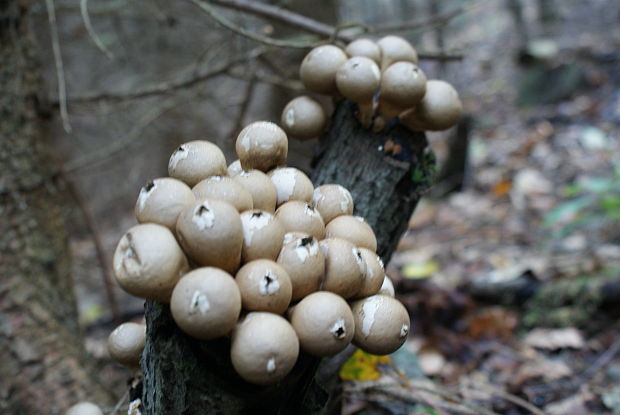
(386, 174)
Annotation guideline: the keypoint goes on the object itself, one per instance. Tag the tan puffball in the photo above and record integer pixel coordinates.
(318, 69)
(148, 262)
(324, 323)
(261, 188)
(381, 324)
(394, 49)
(264, 348)
(264, 286)
(162, 200)
(126, 342)
(291, 184)
(364, 47)
(303, 261)
(262, 145)
(84, 408)
(234, 168)
(195, 161)
(344, 267)
(296, 216)
(262, 236)
(354, 229)
(403, 86)
(374, 275)
(225, 189)
(387, 288)
(332, 200)
(358, 79)
(303, 118)
(206, 303)
(439, 110)
(211, 234)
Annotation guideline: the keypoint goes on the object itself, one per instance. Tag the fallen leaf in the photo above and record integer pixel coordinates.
(418, 271)
(554, 339)
(363, 366)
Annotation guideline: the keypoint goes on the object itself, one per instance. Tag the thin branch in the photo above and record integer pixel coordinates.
(271, 79)
(245, 104)
(91, 31)
(60, 72)
(429, 22)
(492, 390)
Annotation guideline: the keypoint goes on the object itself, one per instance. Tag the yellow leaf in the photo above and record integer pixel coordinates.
(363, 366)
(416, 271)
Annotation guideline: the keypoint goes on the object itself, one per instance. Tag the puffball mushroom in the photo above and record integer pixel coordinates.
(403, 86)
(226, 189)
(364, 47)
(332, 200)
(162, 200)
(303, 118)
(262, 236)
(234, 168)
(374, 275)
(324, 323)
(206, 303)
(264, 286)
(262, 145)
(318, 69)
(211, 234)
(262, 190)
(291, 184)
(126, 342)
(381, 324)
(387, 288)
(439, 110)
(395, 49)
(344, 267)
(84, 408)
(297, 216)
(303, 261)
(264, 348)
(354, 229)
(148, 262)
(358, 79)
(195, 161)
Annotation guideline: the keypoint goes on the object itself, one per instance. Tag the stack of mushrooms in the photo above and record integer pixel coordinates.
(253, 251)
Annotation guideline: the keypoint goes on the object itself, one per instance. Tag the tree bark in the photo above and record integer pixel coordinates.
(42, 367)
(185, 376)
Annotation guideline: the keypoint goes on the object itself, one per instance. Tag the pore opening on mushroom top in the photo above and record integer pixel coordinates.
(202, 209)
(149, 185)
(306, 241)
(257, 214)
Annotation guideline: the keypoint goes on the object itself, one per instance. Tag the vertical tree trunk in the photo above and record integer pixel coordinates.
(41, 363)
(185, 376)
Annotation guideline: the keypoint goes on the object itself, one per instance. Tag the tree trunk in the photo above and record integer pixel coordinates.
(42, 369)
(185, 376)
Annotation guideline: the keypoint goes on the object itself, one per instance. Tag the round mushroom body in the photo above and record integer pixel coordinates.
(262, 145)
(148, 262)
(364, 47)
(211, 234)
(84, 408)
(374, 275)
(354, 229)
(303, 118)
(439, 110)
(395, 49)
(261, 189)
(344, 267)
(264, 286)
(303, 261)
(291, 184)
(324, 323)
(226, 189)
(162, 200)
(297, 216)
(234, 168)
(382, 324)
(332, 200)
(358, 79)
(195, 161)
(403, 86)
(262, 236)
(387, 287)
(126, 342)
(264, 348)
(318, 69)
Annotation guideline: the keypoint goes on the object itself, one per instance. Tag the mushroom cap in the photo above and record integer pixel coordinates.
(344, 267)
(403, 84)
(324, 323)
(84, 408)
(162, 200)
(291, 184)
(148, 262)
(264, 348)
(211, 234)
(332, 200)
(354, 229)
(234, 168)
(297, 216)
(374, 275)
(394, 49)
(318, 69)
(364, 47)
(439, 110)
(262, 145)
(358, 79)
(264, 286)
(196, 160)
(263, 191)
(303, 118)
(387, 287)
(303, 261)
(126, 342)
(226, 189)
(381, 324)
(206, 303)
(262, 236)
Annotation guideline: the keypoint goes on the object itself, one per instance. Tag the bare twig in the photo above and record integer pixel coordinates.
(120, 403)
(245, 104)
(60, 72)
(492, 390)
(271, 79)
(430, 22)
(91, 31)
